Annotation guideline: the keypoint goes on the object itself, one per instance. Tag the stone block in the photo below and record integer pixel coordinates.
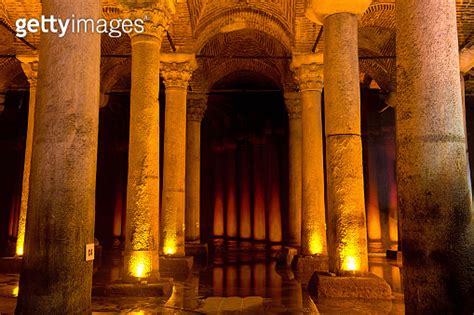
(176, 265)
(324, 285)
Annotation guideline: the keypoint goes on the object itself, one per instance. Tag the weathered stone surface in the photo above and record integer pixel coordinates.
(347, 234)
(176, 265)
(306, 266)
(369, 287)
(56, 278)
(437, 230)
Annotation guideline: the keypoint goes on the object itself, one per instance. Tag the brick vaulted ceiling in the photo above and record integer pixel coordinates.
(270, 30)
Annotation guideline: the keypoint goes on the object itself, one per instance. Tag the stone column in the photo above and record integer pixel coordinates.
(218, 222)
(176, 70)
(30, 68)
(197, 104)
(259, 215)
(2, 102)
(231, 190)
(141, 258)
(55, 276)
(244, 180)
(433, 192)
(309, 74)
(345, 179)
(293, 107)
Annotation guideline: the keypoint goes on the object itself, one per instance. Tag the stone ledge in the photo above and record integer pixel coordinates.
(162, 288)
(323, 285)
(10, 264)
(176, 265)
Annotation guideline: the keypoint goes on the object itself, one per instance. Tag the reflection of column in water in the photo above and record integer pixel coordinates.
(191, 294)
(294, 291)
(275, 283)
(245, 278)
(231, 283)
(218, 281)
(259, 279)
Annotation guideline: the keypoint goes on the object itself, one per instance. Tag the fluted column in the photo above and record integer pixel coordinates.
(309, 74)
(141, 257)
(30, 68)
(197, 104)
(293, 107)
(55, 276)
(176, 70)
(433, 188)
(347, 231)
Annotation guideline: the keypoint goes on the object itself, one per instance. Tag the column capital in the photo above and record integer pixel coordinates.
(157, 15)
(293, 104)
(177, 69)
(197, 105)
(308, 71)
(318, 10)
(29, 64)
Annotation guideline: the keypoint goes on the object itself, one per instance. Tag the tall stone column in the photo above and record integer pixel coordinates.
(309, 74)
(30, 68)
(176, 70)
(244, 180)
(232, 220)
(55, 276)
(141, 258)
(433, 191)
(293, 107)
(197, 104)
(347, 232)
(218, 219)
(259, 214)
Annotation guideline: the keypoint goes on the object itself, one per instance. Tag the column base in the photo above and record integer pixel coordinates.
(199, 251)
(376, 247)
(161, 288)
(306, 266)
(176, 265)
(286, 257)
(10, 264)
(325, 285)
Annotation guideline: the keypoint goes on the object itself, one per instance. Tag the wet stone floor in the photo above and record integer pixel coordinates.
(239, 278)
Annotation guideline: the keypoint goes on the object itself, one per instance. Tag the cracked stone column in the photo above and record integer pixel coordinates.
(55, 276)
(293, 107)
(309, 74)
(347, 231)
(141, 257)
(30, 68)
(197, 104)
(176, 70)
(433, 189)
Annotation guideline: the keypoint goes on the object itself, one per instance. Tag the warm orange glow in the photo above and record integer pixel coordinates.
(19, 247)
(15, 291)
(170, 250)
(316, 244)
(139, 265)
(350, 264)
(218, 213)
(20, 242)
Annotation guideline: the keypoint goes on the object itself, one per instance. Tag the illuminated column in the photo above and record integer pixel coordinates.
(433, 188)
(244, 191)
(142, 215)
(218, 224)
(259, 217)
(374, 228)
(309, 74)
(463, 96)
(197, 104)
(347, 233)
(30, 68)
(118, 213)
(273, 184)
(176, 70)
(231, 190)
(55, 276)
(293, 107)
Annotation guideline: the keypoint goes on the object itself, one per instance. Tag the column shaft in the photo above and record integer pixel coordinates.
(346, 206)
(55, 277)
(231, 191)
(142, 215)
(259, 216)
(295, 168)
(176, 76)
(433, 189)
(30, 67)
(244, 190)
(196, 108)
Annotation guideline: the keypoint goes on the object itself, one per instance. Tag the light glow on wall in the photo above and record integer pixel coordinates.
(139, 265)
(350, 264)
